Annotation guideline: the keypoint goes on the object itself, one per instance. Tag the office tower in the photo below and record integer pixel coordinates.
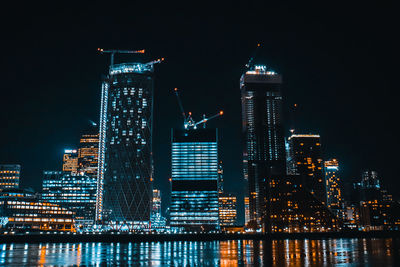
(194, 181)
(22, 209)
(74, 192)
(264, 152)
(305, 159)
(9, 176)
(246, 211)
(125, 148)
(333, 187)
(156, 201)
(157, 220)
(70, 160)
(370, 179)
(227, 209)
(88, 152)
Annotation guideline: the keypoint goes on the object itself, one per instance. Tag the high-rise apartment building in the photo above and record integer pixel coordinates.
(305, 159)
(70, 160)
(125, 148)
(194, 180)
(74, 192)
(9, 176)
(333, 187)
(264, 152)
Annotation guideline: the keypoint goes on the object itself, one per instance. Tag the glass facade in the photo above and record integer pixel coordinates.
(264, 151)
(125, 159)
(21, 209)
(73, 192)
(9, 176)
(194, 183)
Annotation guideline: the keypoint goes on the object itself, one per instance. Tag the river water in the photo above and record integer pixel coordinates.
(339, 252)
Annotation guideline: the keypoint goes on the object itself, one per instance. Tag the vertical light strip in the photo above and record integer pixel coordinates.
(102, 141)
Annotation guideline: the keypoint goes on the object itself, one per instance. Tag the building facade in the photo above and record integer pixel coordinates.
(333, 187)
(305, 159)
(227, 209)
(73, 192)
(125, 149)
(21, 209)
(9, 176)
(264, 152)
(194, 180)
(88, 153)
(70, 160)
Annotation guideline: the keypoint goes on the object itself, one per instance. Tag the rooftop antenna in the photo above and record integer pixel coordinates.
(188, 121)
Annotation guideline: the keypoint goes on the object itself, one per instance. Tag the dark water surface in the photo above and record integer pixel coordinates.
(341, 252)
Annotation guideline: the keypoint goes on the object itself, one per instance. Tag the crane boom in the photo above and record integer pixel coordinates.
(116, 51)
(250, 62)
(188, 121)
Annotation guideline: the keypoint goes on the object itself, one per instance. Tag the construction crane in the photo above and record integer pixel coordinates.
(188, 121)
(250, 62)
(115, 51)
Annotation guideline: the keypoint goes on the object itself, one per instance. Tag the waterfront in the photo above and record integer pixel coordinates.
(384, 252)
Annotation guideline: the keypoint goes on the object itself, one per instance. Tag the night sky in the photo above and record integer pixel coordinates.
(339, 64)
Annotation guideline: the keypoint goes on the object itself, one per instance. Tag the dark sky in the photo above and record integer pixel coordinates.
(339, 63)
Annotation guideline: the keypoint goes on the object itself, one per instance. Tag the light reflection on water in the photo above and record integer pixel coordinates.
(384, 252)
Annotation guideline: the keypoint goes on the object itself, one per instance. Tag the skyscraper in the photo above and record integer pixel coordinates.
(305, 159)
(9, 176)
(227, 209)
(88, 152)
(125, 151)
(194, 182)
(264, 152)
(70, 160)
(333, 186)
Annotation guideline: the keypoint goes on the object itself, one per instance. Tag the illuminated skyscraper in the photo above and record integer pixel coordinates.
(227, 209)
(246, 210)
(73, 192)
(88, 152)
(264, 152)
(9, 176)
(305, 159)
(194, 183)
(333, 187)
(70, 160)
(125, 149)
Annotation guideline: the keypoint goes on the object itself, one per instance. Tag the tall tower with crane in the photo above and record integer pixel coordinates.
(194, 177)
(125, 171)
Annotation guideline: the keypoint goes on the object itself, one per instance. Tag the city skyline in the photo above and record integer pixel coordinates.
(325, 72)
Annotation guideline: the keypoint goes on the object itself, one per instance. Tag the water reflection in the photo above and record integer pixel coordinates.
(384, 252)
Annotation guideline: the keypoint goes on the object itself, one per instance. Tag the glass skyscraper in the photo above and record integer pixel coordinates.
(194, 182)
(125, 149)
(73, 192)
(264, 151)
